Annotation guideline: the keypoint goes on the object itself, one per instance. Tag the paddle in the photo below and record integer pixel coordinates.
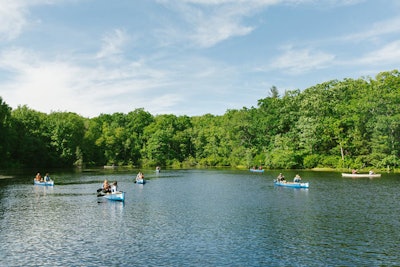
(100, 192)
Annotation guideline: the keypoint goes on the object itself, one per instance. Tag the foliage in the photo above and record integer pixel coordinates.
(5, 116)
(353, 123)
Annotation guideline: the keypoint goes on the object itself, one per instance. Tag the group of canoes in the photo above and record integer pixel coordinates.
(281, 181)
(112, 193)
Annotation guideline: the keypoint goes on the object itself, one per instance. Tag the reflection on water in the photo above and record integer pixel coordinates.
(201, 218)
(110, 209)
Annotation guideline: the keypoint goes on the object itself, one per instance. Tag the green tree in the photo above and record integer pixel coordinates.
(167, 140)
(28, 138)
(114, 139)
(5, 142)
(65, 130)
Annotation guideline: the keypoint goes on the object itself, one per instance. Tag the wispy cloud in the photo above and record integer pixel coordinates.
(377, 30)
(14, 16)
(70, 84)
(210, 22)
(217, 29)
(388, 54)
(113, 43)
(178, 75)
(213, 21)
(12, 19)
(298, 61)
(46, 85)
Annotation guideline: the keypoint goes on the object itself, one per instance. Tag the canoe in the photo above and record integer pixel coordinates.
(118, 196)
(140, 181)
(292, 184)
(361, 175)
(110, 167)
(256, 170)
(49, 183)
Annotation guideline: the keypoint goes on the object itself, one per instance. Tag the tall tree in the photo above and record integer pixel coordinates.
(30, 143)
(5, 114)
(65, 130)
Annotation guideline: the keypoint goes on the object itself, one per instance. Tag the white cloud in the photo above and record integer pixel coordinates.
(12, 19)
(223, 2)
(302, 60)
(218, 29)
(66, 85)
(43, 85)
(112, 43)
(166, 80)
(388, 54)
(210, 28)
(378, 29)
(213, 21)
(163, 103)
(14, 16)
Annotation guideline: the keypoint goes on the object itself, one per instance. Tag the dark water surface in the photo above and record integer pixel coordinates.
(201, 218)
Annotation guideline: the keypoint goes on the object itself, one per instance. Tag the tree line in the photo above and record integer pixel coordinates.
(350, 123)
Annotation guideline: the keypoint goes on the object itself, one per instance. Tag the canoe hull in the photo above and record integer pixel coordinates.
(292, 184)
(119, 196)
(50, 183)
(141, 181)
(256, 170)
(361, 175)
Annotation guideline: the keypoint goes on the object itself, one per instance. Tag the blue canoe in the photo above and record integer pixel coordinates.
(257, 170)
(118, 196)
(140, 181)
(292, 184)
(49, 183)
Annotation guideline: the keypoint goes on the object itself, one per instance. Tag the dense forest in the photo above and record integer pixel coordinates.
(351, 123)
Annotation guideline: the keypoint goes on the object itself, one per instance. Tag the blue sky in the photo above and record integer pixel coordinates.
(186, 57)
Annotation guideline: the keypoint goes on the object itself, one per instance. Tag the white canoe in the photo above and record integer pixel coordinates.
(361, 175)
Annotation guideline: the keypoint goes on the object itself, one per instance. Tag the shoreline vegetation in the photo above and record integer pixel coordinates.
(336, 125)
(13, 173)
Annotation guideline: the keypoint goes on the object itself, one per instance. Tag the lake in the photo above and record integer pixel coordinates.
(200, 218)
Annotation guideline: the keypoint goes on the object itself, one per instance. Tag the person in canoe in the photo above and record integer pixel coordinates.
(38, 177)
(139, 176)
(297, 179)
(281, 178)
(47, 177)
(114, 187)
(106, 187)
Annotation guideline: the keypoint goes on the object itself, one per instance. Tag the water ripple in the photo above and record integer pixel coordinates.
(201, 218)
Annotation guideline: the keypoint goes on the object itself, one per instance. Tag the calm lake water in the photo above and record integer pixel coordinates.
(201, 218)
